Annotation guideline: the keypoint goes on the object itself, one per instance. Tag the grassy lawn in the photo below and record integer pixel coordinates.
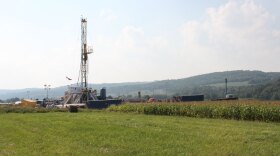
(111, 133)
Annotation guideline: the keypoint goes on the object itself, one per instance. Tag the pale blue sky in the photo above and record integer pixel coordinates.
(135, 40)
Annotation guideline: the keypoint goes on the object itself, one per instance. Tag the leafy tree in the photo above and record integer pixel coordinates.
(11, 100)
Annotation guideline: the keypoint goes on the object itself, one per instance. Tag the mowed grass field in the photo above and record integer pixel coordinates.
(115, 133)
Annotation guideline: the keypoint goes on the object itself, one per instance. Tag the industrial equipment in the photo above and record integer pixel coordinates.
(81, 93)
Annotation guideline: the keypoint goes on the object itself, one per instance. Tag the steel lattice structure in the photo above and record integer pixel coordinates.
(84, 54)
(84, 60)
(81, 93)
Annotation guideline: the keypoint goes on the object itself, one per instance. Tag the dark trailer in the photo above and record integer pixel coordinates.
(192, 98)
(101, 104)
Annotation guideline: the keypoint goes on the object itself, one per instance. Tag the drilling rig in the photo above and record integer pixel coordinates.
(85, 50)
(81, 93)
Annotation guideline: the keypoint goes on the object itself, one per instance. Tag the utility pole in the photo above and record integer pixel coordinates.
(226, 81)
(28, 94)
(166, 89)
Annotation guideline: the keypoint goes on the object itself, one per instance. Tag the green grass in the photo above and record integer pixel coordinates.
(19, 109)
(113, 133)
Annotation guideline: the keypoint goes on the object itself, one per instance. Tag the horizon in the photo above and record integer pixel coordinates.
(168, 40)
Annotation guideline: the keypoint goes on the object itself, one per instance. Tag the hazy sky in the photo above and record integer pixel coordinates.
(135, 40)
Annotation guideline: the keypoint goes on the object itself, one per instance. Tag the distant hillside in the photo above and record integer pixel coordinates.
(245, 83)
(270, 90)
(189, 85)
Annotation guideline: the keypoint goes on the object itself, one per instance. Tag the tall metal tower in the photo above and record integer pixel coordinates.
(85, 50)
(81, 93)
(84, 54)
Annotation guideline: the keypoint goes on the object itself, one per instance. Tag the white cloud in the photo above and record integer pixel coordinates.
(132, 56)
(108, 15)
(133, 41)
(131, 38)
(158, 42)
(233, 36)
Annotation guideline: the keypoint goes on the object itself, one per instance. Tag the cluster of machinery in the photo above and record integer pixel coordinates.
(81, 95)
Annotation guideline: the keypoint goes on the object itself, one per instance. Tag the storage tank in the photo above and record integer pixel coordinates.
(103, 94)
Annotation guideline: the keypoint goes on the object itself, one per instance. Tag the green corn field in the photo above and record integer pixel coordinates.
(237, 110)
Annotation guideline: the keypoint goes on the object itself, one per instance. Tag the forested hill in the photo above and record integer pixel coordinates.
(251, 77)
(208, 84)
(270, 90)
(244, 83)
